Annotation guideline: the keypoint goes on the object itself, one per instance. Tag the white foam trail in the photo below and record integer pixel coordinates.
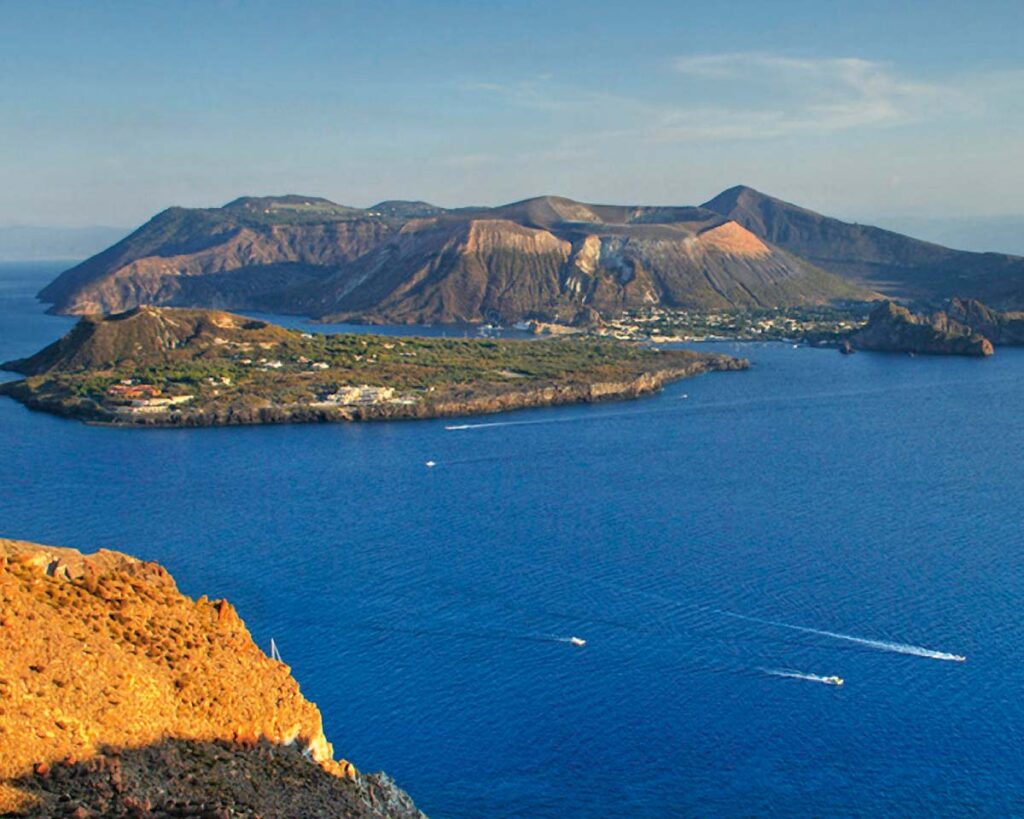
(798, 675)
(716, 405)
(576, 641)
(493, 424)
(881, 645)
(477, 634)
(572, 419)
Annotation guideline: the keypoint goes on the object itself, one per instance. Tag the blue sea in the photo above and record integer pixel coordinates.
(427, 611)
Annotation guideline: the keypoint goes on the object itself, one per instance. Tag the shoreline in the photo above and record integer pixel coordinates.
(550, 395)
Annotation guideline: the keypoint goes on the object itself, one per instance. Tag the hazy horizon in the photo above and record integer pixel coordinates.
(1001, 233)
(118, 110)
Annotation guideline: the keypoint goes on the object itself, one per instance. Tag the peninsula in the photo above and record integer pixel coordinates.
(165, 366)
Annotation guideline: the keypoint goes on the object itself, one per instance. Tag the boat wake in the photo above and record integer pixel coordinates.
(493, 424)
(475, 634)
(800, 675)
(571, 419)
(880, 645)
(575, 641)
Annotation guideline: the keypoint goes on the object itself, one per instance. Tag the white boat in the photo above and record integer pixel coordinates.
(431, 463)
(577, 641)
(833, 680)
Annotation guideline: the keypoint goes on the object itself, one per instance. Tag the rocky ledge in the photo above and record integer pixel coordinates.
(120, 696)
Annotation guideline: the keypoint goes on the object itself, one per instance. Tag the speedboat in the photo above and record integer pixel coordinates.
(577, 641)
(833, 680)
(959, 658)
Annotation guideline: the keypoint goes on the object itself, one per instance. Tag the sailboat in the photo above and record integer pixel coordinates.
(274, 653)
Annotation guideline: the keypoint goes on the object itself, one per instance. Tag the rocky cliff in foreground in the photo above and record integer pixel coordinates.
(120, 696)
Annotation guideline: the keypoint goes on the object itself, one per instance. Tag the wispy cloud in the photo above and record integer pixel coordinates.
(742, 96)
(775, 95)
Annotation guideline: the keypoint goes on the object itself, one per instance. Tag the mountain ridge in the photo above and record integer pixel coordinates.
(883, 260)
(546, 257)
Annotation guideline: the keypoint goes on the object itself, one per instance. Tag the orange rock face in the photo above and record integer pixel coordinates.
(102, 652)
(733, 239)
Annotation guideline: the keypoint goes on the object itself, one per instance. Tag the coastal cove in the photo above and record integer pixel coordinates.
(426, 611)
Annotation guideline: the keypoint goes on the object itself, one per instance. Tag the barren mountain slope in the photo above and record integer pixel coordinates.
(547, 257)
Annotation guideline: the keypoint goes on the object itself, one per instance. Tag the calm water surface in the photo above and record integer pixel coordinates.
(425, 610)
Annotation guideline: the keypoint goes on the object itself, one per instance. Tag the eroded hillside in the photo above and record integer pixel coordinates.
(548, 257)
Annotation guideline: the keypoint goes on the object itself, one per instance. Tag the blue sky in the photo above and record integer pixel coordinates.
(111, 111)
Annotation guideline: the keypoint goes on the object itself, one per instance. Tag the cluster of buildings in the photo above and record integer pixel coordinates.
(660, 324)
(129, 397)
(363, 394)
(277, 364)
(130, 391)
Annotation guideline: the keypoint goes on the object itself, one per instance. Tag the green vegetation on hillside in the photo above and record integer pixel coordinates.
(167, 362)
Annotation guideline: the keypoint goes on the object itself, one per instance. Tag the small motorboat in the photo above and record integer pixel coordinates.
(430, 463)
(833, 680)
(577, 641)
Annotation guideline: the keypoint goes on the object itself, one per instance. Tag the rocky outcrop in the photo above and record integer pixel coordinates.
(999, 327)
(547, 258)
(121, 696)
(893, 328)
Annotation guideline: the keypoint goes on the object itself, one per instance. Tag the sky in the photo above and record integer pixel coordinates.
(112, 111)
